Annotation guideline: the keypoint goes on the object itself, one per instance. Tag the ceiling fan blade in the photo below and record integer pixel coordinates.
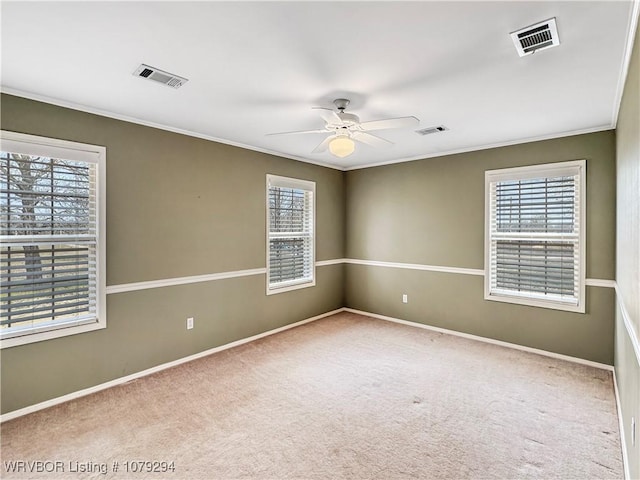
(298, 132)
(372, 140)
(324, 145)
(328, 115)
(401, 122)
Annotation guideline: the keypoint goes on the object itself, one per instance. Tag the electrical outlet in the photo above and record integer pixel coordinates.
(633, 431)
(405, 298)
(189, 323)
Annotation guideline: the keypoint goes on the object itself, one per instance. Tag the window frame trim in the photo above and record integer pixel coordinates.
(70, 150)
(538, 171)
(289, 182)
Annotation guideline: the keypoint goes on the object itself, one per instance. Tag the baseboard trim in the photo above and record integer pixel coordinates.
(492, 341)
(119, 381)
(623, 444)
(149, 371)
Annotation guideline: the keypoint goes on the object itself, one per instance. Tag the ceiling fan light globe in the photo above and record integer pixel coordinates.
(342, 146)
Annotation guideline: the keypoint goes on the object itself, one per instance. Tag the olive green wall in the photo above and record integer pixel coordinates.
(176, 206)
(627, 359)
(431, 212)
(180, 206)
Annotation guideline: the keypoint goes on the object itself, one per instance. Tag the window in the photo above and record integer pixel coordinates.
(290, 234)
(535, 246)
(52, 255)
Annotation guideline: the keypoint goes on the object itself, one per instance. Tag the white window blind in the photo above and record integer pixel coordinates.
(49, 235)
(535, 235)
(291, 241)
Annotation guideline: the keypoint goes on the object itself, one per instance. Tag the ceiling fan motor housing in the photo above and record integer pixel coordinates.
(349, 119)
(341, 103)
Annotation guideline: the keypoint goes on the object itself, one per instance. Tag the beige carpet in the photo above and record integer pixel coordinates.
(344, 397)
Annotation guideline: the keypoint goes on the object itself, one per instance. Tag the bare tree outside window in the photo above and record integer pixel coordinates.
(47, 224)
(287, 215)
(290, 233)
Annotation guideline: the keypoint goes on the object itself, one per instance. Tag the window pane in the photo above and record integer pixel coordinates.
(46, 196)
(536, 205)
(541, 267)
(290, 232)
(534, 235)
(41, 283)
(290, 259)
(288, 210)
(48, 259)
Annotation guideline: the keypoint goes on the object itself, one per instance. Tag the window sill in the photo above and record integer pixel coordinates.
(535, 302)
(271, 290)
(58, 332)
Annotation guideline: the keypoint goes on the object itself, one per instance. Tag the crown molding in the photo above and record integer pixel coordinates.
(125, 118)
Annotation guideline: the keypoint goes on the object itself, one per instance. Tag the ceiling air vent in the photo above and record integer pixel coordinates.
(160, 76)
(430, 130)
(536, 37)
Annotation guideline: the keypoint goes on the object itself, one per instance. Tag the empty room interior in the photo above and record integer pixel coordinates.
(270, 240)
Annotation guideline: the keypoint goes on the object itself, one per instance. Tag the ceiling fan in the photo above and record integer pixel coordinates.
(346, 127)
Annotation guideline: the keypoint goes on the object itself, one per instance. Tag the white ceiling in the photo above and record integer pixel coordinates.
(258, 68)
